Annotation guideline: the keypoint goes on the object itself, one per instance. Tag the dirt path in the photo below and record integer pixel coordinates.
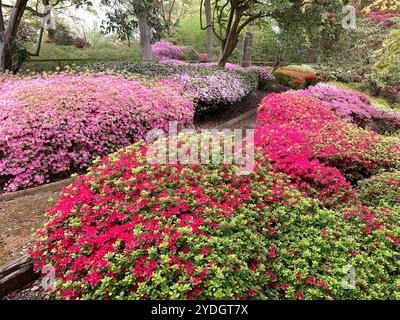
(19, 219)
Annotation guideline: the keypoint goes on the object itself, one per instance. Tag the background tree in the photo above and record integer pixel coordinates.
(149, 18)
(231, 17)
(11, 16)
(208, 27)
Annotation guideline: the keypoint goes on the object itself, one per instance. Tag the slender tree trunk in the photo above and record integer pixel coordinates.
(145, 37)
(207, 8)
(230, 42)
(246, 50)
(227, 51)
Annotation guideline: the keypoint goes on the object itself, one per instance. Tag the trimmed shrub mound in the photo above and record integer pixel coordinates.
(131, 230)
(318, 149)
(264, 76)
(164, 49)
(53, 126)
(381, 190)
(356, 107)
(210, 87)
(296, 77)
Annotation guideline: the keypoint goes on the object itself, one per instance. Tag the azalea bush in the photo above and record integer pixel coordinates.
(164, 232)
(210, 87)
(381, 190)
(134, 230)
(356, 107)
(263, 75)
(54, 125)
(296, 77)
(164, 49)
(318, 149)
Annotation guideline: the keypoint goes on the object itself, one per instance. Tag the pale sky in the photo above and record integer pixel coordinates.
(88, 18)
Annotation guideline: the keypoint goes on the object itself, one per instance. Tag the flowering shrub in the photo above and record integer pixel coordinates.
(316, 252)
(131, 230)
(381, 190)
(318, 149)
(52, 126)
(210, 87)
(167, 50)
(295, 77)
(202, 57)
(263, 75)
(356, 107)
(134, 230)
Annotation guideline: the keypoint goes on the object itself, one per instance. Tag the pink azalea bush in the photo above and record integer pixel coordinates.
(263, 74)
(164, 49)
(210, 88)
(356, 107)
(55, 125)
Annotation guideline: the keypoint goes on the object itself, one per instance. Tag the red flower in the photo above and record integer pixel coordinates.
(252, 292)
(310, 280)
(299, 295)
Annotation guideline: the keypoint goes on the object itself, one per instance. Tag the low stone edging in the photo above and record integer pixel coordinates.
(53, 186)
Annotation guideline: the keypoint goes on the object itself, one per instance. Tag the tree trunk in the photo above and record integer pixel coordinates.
(207, 8)
(145, 37)
(5, 57)
(228, 47)
(8, 34)
(246, 50)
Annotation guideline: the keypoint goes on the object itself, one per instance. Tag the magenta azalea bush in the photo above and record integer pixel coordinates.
(164, 49)
(321, 152)
(55, 125)
(356, 107)
(294, 228)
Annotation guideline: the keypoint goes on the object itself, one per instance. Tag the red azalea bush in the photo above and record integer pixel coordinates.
(131, 230)
(381, 190)
(54, 125)
(319, 150)
(134, 230)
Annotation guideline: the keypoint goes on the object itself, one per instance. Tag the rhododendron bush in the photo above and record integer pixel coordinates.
(132, 230)
(356, 107)
(53, 126)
